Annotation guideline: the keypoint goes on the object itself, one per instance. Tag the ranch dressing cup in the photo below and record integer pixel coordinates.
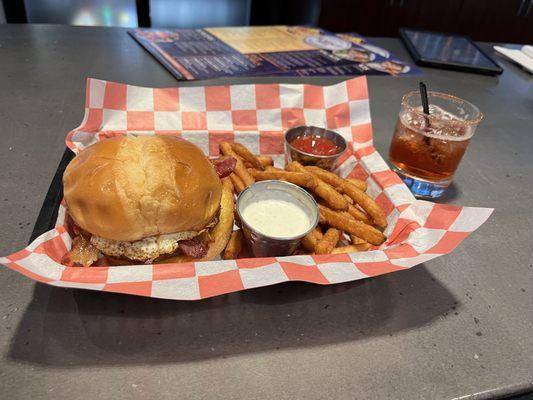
(275, 216)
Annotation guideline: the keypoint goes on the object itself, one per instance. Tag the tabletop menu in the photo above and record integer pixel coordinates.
(191, 54)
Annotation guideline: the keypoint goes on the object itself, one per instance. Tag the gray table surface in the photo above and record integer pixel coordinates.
(457, 326)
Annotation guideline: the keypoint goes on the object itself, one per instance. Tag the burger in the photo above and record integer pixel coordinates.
(147, 199)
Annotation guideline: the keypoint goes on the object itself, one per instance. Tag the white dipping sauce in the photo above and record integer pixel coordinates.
(277, 218)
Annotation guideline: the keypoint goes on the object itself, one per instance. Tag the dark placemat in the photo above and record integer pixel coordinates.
(48, 214)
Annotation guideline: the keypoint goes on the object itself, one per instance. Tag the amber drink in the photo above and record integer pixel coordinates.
(426, 149)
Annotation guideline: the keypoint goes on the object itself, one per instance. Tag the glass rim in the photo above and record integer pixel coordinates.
(454, 99)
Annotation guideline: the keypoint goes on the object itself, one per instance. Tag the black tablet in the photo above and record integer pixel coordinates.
(442, 50)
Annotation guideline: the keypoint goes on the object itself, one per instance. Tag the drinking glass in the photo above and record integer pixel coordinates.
(426, 149)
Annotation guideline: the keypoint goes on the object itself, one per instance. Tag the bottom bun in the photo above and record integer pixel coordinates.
(116, 261)
(220, 235)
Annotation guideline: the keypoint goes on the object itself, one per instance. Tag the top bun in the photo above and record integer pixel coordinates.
(129, 188)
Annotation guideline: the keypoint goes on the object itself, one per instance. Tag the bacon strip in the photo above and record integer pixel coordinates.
(195, 247)
(82, 253)
(224, 165)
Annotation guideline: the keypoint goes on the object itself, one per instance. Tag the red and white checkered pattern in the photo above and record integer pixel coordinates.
(255, 115)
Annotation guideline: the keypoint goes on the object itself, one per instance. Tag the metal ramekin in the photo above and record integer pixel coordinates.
(268, 246)
(326, 162)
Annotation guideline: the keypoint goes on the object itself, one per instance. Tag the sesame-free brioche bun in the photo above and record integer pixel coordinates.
(130, 188)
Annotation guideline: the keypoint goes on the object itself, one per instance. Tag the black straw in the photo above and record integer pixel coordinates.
(424, 97)
(425, 101)
(425, 107)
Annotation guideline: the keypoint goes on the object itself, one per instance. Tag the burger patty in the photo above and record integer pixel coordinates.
(147, 249)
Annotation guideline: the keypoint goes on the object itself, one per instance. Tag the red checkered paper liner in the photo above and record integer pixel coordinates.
(256, 116)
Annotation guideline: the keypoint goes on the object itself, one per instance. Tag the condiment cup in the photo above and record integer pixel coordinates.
(325, 162)
(268, 246)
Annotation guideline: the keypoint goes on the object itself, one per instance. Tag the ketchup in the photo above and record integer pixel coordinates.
(318, 146)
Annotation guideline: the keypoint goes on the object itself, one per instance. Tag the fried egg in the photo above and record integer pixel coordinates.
(148, 249)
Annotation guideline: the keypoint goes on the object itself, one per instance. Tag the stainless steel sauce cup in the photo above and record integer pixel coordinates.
(326, 162)
(268, 246)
